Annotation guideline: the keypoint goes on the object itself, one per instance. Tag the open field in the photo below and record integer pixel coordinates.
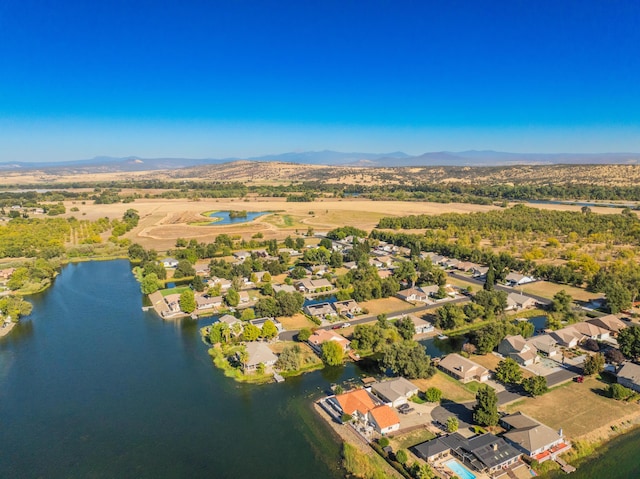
(451, 388)
(164, 220)
(580, 410)
(404, 441)
(548, 290)
(389, 306)
(297, 321)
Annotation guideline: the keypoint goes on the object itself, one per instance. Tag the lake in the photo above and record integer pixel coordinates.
(225, 219)
(92, 386)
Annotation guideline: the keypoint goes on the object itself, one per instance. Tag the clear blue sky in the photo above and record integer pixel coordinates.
(241, 78)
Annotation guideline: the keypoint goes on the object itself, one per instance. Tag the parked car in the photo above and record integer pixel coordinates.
(336, 326)
(346, 325)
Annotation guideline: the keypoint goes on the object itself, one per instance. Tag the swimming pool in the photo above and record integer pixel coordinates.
(459, 470)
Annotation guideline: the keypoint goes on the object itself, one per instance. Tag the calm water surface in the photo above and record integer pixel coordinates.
(92, 387)
(225, 219)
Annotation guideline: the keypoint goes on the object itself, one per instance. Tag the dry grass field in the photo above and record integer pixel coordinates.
(581, 410)
(297, 321)
(389, 306)
(548, 290)
(451, 389)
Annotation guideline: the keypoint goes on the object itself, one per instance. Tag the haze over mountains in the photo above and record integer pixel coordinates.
(335, 158)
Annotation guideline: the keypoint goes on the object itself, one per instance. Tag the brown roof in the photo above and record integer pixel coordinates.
(358, 400)
(323, 335)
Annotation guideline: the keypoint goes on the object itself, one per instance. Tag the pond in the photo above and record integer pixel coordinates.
(437, 348)
(330, 298)
(223, 217)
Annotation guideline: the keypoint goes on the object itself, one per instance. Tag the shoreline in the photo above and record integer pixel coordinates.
(4, 331)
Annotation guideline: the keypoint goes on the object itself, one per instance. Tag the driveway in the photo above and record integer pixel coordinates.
(463, 411)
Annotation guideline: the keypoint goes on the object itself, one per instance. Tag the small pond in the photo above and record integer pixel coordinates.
(223, 217)
(539, 322)
(441, 347)
(330, 298)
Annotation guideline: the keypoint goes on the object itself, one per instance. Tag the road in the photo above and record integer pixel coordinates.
(290, 335)
(500, 287)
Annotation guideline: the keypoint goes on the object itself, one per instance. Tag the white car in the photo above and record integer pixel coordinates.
(346, 325)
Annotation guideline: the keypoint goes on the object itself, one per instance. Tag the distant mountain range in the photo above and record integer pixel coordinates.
(335, 158)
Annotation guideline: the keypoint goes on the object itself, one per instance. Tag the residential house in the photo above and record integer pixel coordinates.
(229, 320)
(225, 284)
(518, 349)
(413, 295)
(320, 310)
(463, 369)
(376, 263)
(451, 263)
(517, 302)
(479, 272)
(591, 331)
(568, 337)
(320, 336)
(533, 438)
(170, 262)
(314, 285)
(347, 308)
(356, 403)
(241, 255)
(384, 419)
(545, 344)
(611, 322)
(6, 273)
(384, 273)
(629, 376)
(394, 392)
(431, 290)
(259, 353)
(173, 303)
(517, 279)
(204, 301)
(350, 265)
(466, 266)
(287, 288)
(386, 261)
(259, 322)
(484, 453)
(421, 326)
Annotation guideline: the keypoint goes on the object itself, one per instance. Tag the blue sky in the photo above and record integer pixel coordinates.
(242, 78)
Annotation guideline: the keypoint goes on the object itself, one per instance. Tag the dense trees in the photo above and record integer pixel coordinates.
(535, 385)
(409, 359)
(405, 327)
(187, 301)
(332, 353)
(14, 307)
(629, 341)
(485, 412)
(150, 284)
(508, 371)
(593, 364)
(289, 359)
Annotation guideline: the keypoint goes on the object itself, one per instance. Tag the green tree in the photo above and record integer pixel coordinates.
(232, 298)
(184, 269)
(535, 385)
(452, 424)
(269, 330)
(218, 333)
(332, 353)
(15, 307)
(266, 277)
(250, 332)
(629, 341)
(449, 316)
(405, 327)
(408, 359)
(618, 296)
(619, 392)
(304, 334)
(508, 371)
(149, 284)
(289, 359)
(594, 364)
(248, 314)
(433, 394)
(485, 412)
(197, 284)
(266, 307)
(187, 301)
(401, 456)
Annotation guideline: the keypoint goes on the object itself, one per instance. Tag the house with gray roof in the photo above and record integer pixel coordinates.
(629, 376)
(259, 353)
(533, 438)
(463, 369)
(394, 392)
(518, 349)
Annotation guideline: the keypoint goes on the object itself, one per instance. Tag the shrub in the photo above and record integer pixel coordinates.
(433, 395)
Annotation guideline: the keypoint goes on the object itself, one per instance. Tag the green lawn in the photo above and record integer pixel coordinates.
(177, 290)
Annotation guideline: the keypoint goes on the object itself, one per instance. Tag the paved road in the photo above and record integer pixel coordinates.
(290, 335)
(500, 287)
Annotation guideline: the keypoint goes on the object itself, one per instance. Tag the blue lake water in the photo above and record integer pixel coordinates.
(226, 220)
(93, 387)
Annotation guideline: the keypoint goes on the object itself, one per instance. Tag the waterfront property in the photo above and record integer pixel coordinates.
(258, 353)
(384, 419)
(463, 369)
(259, 322)
(518, 302)
(533, 438)
(484, 453)
(318, 338)
(394, 392)
(366, 411)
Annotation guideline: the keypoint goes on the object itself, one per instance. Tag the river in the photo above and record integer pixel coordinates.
(91, 387)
